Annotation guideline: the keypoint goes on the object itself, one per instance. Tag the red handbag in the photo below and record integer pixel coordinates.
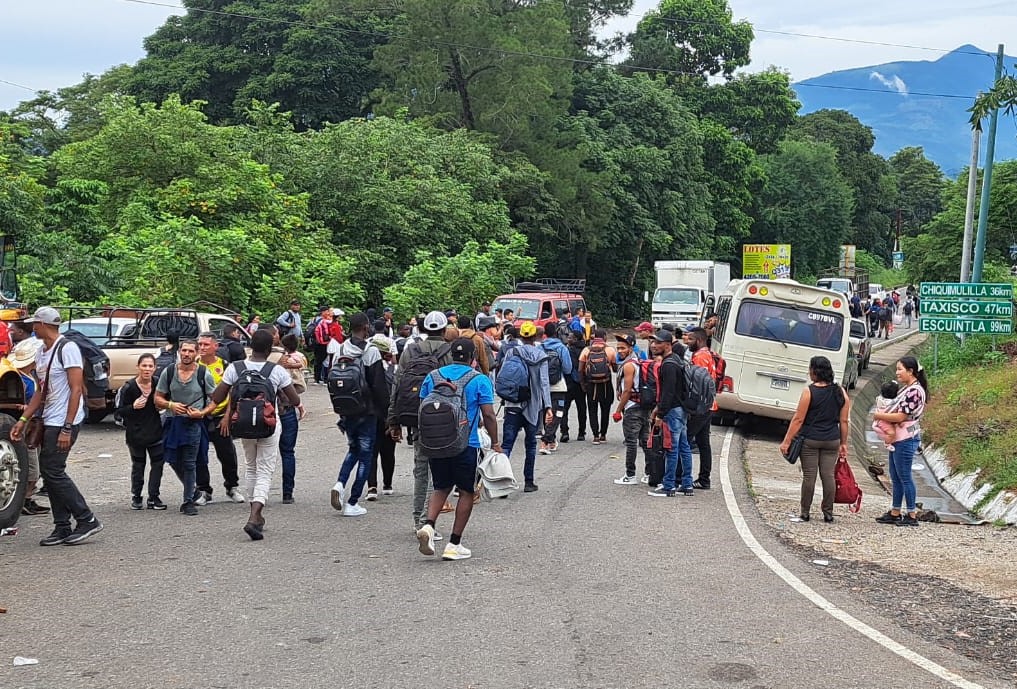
(848, 492)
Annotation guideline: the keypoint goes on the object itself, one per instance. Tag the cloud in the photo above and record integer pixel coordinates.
(895, 83)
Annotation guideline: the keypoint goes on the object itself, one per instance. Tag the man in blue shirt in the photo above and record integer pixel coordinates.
(461, 471)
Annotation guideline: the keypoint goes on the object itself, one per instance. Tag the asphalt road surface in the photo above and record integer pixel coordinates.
(582, 584)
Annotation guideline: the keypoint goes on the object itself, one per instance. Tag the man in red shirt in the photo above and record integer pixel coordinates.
(699, 425)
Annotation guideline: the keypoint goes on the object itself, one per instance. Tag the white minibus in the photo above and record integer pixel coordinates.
(767, 331)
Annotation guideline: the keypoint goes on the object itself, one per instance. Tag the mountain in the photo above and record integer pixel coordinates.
(891, 105)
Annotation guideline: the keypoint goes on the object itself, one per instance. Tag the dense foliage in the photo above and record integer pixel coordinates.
(430, 153)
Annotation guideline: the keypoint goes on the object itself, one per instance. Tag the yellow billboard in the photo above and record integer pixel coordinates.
(766, 261)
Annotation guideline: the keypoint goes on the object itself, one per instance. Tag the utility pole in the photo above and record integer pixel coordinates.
(990, 152)
(969, 211)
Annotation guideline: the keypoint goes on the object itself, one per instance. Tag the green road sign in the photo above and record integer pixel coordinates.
(967, 307)
(973, 326)
(968, 290)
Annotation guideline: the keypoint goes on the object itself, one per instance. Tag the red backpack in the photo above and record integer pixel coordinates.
(649, 390)
(848, 492)
(719, 369)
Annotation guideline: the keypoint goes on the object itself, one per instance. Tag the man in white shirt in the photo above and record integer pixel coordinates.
(61, 405)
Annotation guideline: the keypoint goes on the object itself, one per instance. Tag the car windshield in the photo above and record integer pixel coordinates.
(676, 295)
(527, 309)
(790, 325)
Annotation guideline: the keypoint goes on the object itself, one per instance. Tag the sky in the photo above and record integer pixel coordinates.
(47, 44)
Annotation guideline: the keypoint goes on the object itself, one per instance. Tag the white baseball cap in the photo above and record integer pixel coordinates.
(46, 315)
(435, 321)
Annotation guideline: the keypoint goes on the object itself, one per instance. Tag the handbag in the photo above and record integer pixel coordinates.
(848, 492)
(794, 451)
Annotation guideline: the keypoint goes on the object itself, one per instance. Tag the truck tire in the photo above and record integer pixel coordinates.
(13, 474)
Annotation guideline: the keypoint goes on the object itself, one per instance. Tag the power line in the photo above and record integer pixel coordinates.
(20, 86)
(513, 53)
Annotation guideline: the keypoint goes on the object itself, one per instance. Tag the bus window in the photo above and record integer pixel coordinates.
(790, 325)
(723, 311)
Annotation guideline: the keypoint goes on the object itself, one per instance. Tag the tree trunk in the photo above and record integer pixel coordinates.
(460, 83)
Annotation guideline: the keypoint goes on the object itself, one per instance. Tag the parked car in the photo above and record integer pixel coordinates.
(100, 330)
(852, 368)
(543, 300)
(862, 343)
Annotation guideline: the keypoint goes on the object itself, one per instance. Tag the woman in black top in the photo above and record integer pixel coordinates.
(143, 427)
(822, 415)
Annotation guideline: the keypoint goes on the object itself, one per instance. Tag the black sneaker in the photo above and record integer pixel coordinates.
(530, 488)
(156, 504)
(700, 485)
(888, 518)
(581, 437)
(287, 500)
(564, 438)
(661, 492)
(57, 537)
(687, 492)
(907, 520)
(83, 531)
(31, 507)
(136, 503)
(189, 508)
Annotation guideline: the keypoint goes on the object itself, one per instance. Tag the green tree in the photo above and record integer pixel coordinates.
(920, 187)
(476, 274)
(805, 203)
(695, 39)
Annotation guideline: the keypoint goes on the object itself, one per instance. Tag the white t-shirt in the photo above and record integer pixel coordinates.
(58, 390)
(279, 377)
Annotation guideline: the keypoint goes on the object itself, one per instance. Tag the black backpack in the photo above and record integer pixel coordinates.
(598, 367)
(95, 368)
(347, 384)
(908, 308)
(885, 314)
(700, 389)
(253, 402)
(555, 366)
(309, 336)
(406, 403)
(163, 362)
(443, 422)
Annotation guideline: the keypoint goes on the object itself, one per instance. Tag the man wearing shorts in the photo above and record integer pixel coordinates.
(460, 471)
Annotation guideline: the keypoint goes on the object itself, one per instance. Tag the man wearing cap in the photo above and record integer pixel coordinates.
(319, 327)
(453, 318)
(644, 332)
(22, 357)
(62, 407)
(386, 315)
(485, 312)
(529, 415)
(634, 419)
(432, 328)
(669, 410)
(459, 472)
(288, 321)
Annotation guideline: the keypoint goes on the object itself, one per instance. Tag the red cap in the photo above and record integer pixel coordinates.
(644, 327)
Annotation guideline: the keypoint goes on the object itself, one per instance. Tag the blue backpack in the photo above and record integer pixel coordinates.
(513, 381)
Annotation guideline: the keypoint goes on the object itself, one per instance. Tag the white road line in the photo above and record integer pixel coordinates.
(822, 603)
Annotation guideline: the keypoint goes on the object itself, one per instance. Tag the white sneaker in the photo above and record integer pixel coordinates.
(544, 450)
(553, 447)
(626, 481)
(456, 552)
(354, 511)
(645, 479)
(387, 491)
(202, 498)
(425, 536)
(338, 496)
(235, 495)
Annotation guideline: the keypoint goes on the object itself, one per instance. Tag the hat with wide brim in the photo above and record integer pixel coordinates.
(25, 353)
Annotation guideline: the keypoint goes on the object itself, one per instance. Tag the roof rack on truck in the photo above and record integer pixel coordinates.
(569, 285)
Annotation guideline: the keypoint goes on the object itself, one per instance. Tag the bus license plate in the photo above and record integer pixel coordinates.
(780, 384)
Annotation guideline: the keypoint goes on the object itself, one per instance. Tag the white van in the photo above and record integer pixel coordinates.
(767, 332)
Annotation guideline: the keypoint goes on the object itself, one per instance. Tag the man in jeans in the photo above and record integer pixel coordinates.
(225, 450)
(699, 425)
(526, 416)
(360, 430)
(669, 410)
(185, 390)
(60, 402)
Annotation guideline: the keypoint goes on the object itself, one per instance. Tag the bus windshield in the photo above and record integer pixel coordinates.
(676, 295)
(526, 309)
(790, 325)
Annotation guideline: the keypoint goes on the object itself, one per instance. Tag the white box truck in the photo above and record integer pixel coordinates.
(682, 290)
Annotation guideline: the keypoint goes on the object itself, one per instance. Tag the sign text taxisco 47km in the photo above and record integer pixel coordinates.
(977, 308)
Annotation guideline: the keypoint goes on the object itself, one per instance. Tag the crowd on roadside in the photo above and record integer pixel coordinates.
(433, 381)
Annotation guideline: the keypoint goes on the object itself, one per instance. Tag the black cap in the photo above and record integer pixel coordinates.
(627, 339)
(663, 335)
(463, 350)
(487, 322)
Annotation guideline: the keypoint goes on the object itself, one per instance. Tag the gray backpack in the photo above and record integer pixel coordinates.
(443, 429)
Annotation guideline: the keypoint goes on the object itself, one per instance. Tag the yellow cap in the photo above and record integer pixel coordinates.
(527, 329)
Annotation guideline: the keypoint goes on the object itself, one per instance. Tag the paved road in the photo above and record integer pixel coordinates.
(582, 584)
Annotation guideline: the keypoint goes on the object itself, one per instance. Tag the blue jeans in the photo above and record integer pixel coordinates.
(360, 435)
(514, 421)
(677, 421)
(900, 473)
(287, 444)
(186, 465)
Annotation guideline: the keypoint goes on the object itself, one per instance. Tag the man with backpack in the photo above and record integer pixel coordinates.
(596, 365)
(575, 394)
(360, 395)
(670, 410)
(421, 356)
(907, 310)
(885, 319)
(256, 389)
(523, 384)
(232, 348)
(633, 415)
(288, 321)
(559, 370)
(454, 400)
(699, 424)
(317, 336)
(185, 391)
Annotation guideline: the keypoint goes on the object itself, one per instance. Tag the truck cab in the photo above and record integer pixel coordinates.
(684, 288)
(544, 300)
